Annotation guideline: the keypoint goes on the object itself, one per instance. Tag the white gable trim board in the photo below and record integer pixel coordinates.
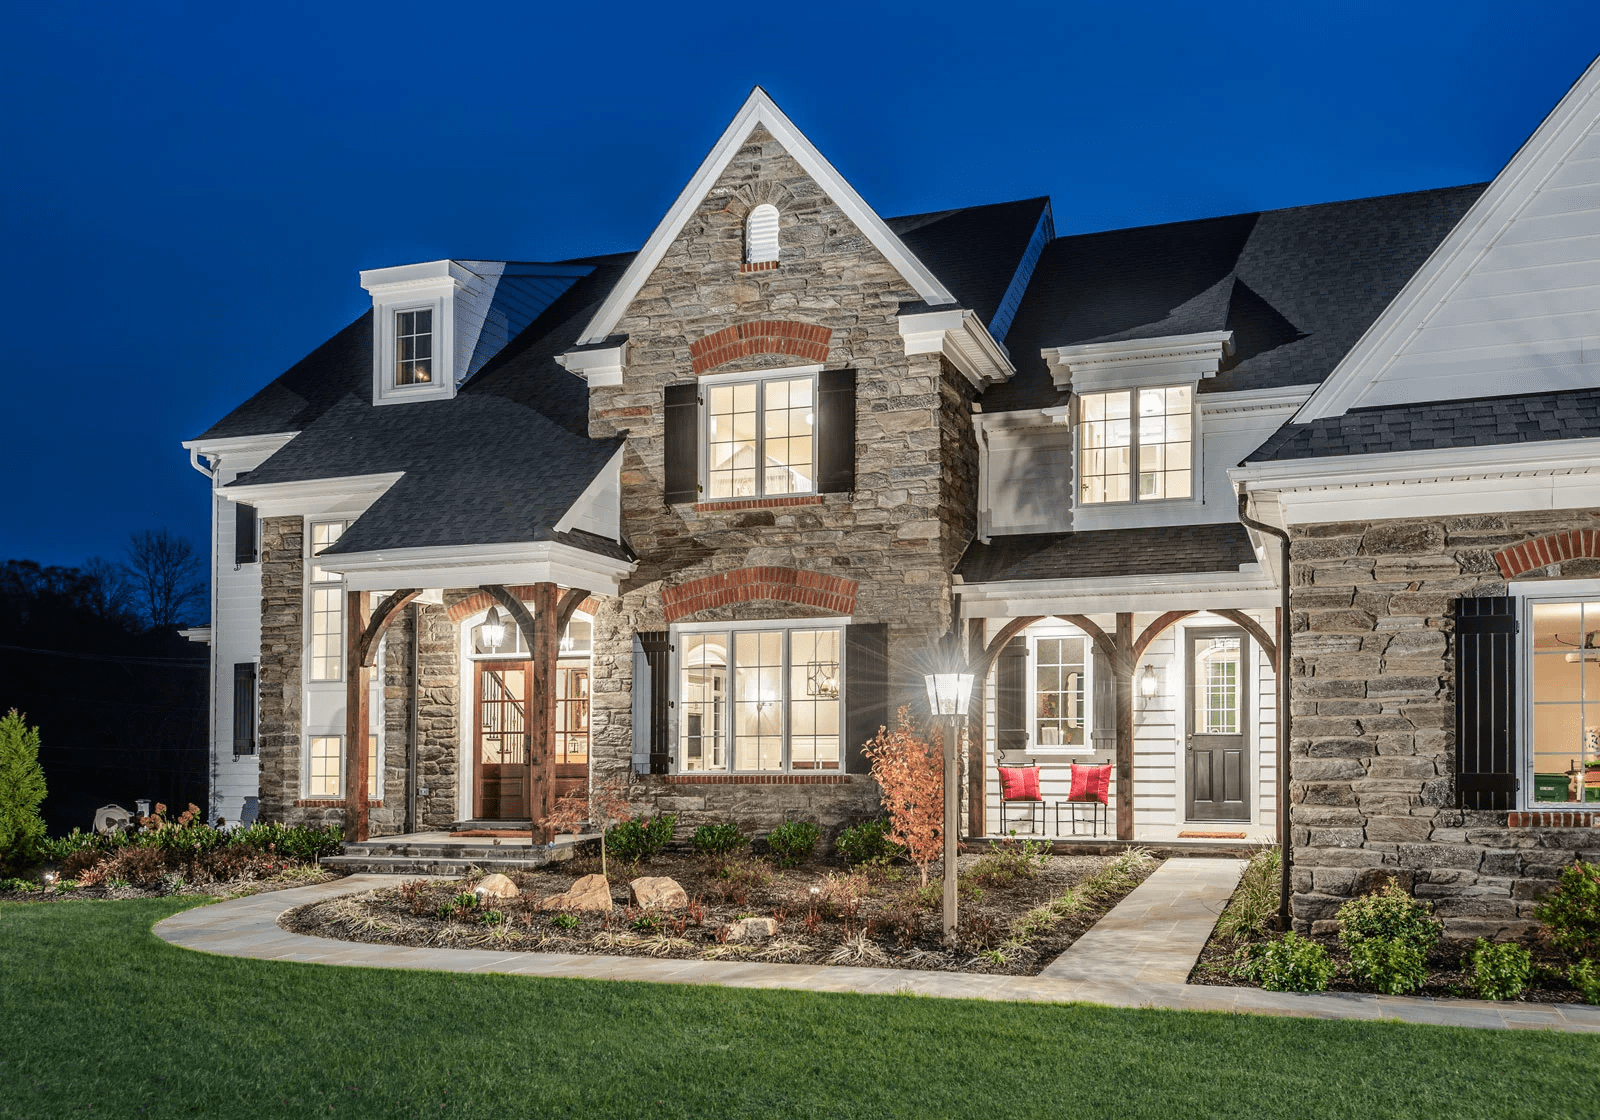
(1510, 300)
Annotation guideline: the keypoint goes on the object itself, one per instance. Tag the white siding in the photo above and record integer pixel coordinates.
(235, 638)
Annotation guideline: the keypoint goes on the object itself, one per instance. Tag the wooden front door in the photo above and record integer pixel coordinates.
(500, 778)
(1217, 757)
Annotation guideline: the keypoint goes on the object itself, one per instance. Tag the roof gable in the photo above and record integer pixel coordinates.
(760, 110)
(1511, 293)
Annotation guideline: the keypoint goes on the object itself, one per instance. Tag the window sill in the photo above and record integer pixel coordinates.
(329, 803)
(758, 266)
(708, 779)
(732, 505)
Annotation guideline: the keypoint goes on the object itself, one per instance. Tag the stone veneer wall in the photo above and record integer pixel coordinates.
(438, 713)
(898, 535)
(279, 689)
(1373, 749)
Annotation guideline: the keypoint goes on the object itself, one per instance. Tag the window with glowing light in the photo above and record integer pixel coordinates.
(325, 609)
(1136, 445)
(767, 698)
(760, 437)
(1061, 691)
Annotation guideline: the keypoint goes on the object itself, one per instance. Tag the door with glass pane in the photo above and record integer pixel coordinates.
(572, 728)
(500, 778)
(1217, 754)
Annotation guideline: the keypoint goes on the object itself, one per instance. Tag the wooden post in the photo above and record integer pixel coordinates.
(952, 822)
(357, 718)
(543, 651)
(1123, 662)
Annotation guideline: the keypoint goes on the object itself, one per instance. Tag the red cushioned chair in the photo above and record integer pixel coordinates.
(1019, 785)
(1091, 786)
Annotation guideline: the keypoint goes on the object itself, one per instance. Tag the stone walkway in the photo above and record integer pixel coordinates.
(1136, 956)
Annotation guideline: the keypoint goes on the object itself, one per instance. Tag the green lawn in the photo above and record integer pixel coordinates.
(98, 1017)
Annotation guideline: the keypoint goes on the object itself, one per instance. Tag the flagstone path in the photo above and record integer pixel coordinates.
(1138, 955)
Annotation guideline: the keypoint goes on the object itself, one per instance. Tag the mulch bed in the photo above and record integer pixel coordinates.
(826, 913)
(228, 888)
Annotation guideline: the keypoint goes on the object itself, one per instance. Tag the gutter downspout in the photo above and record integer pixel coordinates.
(411, 723)
(214, 770)
(1283, 704)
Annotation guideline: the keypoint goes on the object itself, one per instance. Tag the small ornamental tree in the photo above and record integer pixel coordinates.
(603, 805)
(21, 791)
(910, 769)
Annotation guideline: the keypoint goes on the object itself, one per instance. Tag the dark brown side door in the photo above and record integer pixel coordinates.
(500, 778)
(1217, 754)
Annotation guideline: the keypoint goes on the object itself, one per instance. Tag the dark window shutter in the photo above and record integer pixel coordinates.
(656, 646)
(244, 708)
(1011, 697)
(866, 689)
(1486, 700)
(244, 533)
(681, 443)
(836, 431)
(1103, 704)
(641, 709)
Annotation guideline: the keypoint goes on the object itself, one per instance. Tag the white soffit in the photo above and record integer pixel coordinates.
(759, 109)
(1510, 300)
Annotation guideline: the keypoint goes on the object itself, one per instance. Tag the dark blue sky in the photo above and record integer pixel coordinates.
(189, 191)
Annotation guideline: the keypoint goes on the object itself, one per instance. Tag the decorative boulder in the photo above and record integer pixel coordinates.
(495, 886)
(591, 892)
(752, 929)
(657, 892)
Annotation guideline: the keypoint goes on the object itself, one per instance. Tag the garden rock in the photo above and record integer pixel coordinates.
(592, 892)
(657, 892)
(496, 886)
(752, 929)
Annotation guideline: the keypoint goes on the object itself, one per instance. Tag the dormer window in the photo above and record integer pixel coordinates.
(761, 235)
(1136, 445)
(413, 347)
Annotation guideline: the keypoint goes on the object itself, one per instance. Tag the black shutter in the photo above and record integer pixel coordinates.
(836, 431)
(641, 709)
(656, 645)
(1486, 700)
(1011, 697)
(244, 708)
(681, 443)
(1103, 704)
(244, 533)
(866, 689)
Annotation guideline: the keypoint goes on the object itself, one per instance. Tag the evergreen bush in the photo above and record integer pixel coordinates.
(1293, 964)
(1388, 914)
(1571, 912)
(868, 842)
(717, 839)
(636, 840)
(1500, 971)
(792, 842)
(21, 792)
(1585, 976)
(1392, 965)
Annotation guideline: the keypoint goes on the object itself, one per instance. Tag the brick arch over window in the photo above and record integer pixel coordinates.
(788, 585)
(482, 601)
(765, 336)
(1552, 548)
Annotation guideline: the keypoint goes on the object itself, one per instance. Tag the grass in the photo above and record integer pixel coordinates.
(101, 1018)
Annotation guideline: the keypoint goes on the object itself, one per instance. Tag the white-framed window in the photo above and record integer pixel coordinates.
(413, 347)
(1063, 691)
(1560, 655)
(765, 696)
(324, 606)
(1136, 445)
(761, 234)
(325, 766)
(760, 434)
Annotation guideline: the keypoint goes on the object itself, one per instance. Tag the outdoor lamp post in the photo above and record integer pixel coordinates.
(948, 695)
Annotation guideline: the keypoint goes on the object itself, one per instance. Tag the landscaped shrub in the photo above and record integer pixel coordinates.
(1500, 971)
(142, 867)
(717, 839)
(1293, 964)
(1388, 914)
(637, 840)
(21, 792)
(1571, 912)
(1254, 904)
(868, 842)
(301, 843)
(1585, 976)
(792, 842)
(1390, 964)
(910, 771)
(1009, 860)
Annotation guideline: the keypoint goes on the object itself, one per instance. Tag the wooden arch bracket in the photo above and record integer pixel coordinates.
(383, 614)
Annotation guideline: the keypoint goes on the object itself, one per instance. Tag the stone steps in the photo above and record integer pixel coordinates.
(439, 867)
(446, 857)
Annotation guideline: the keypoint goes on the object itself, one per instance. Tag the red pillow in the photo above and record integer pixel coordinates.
(1091, 783)
(1019, 783)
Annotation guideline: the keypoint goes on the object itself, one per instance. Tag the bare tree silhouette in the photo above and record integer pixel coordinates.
(168, 576)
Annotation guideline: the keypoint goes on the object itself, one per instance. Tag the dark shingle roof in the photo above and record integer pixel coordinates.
(1574, 414)
(1298, 287)
(974, 251)
(1162, 550)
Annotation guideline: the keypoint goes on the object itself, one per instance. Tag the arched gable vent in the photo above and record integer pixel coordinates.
(761, 234)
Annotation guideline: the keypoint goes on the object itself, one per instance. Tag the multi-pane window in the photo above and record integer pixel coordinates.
(760, 699)
(1060, 692)
(1565, 693)
(373, 773)
(760, 437)
(413, 347)
(1218, 665)
(325, 775)
(572, 715)
(1136, 445)
(326, 607)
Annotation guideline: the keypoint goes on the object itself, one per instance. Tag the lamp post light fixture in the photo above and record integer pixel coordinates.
(949, 694)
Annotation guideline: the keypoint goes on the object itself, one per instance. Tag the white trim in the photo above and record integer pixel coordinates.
(201, 634)
(960, 336)
(598, 509)
(598, 365)
(476, 564)
(1447, 266)
(350, 495)
(1057, 628)
(1139, 363)
(759, 109)
(759, 378)
(1252, 587)
(263, 445)
(1527, 593)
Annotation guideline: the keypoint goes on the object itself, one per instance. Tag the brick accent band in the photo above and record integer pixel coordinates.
(765, 336)
(758, 503)
(757, 779)
(329, 803)
(1548, 818)
(482, 601)
(1552, 548)
(758, 266)
(788, 585)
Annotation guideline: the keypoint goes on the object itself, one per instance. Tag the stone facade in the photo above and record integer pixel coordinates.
(282, 642)
(897, 536)
(1373, 739)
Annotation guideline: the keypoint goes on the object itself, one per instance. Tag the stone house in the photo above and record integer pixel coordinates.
(693, 517)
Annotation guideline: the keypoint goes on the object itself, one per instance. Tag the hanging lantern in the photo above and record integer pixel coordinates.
(493, 631)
